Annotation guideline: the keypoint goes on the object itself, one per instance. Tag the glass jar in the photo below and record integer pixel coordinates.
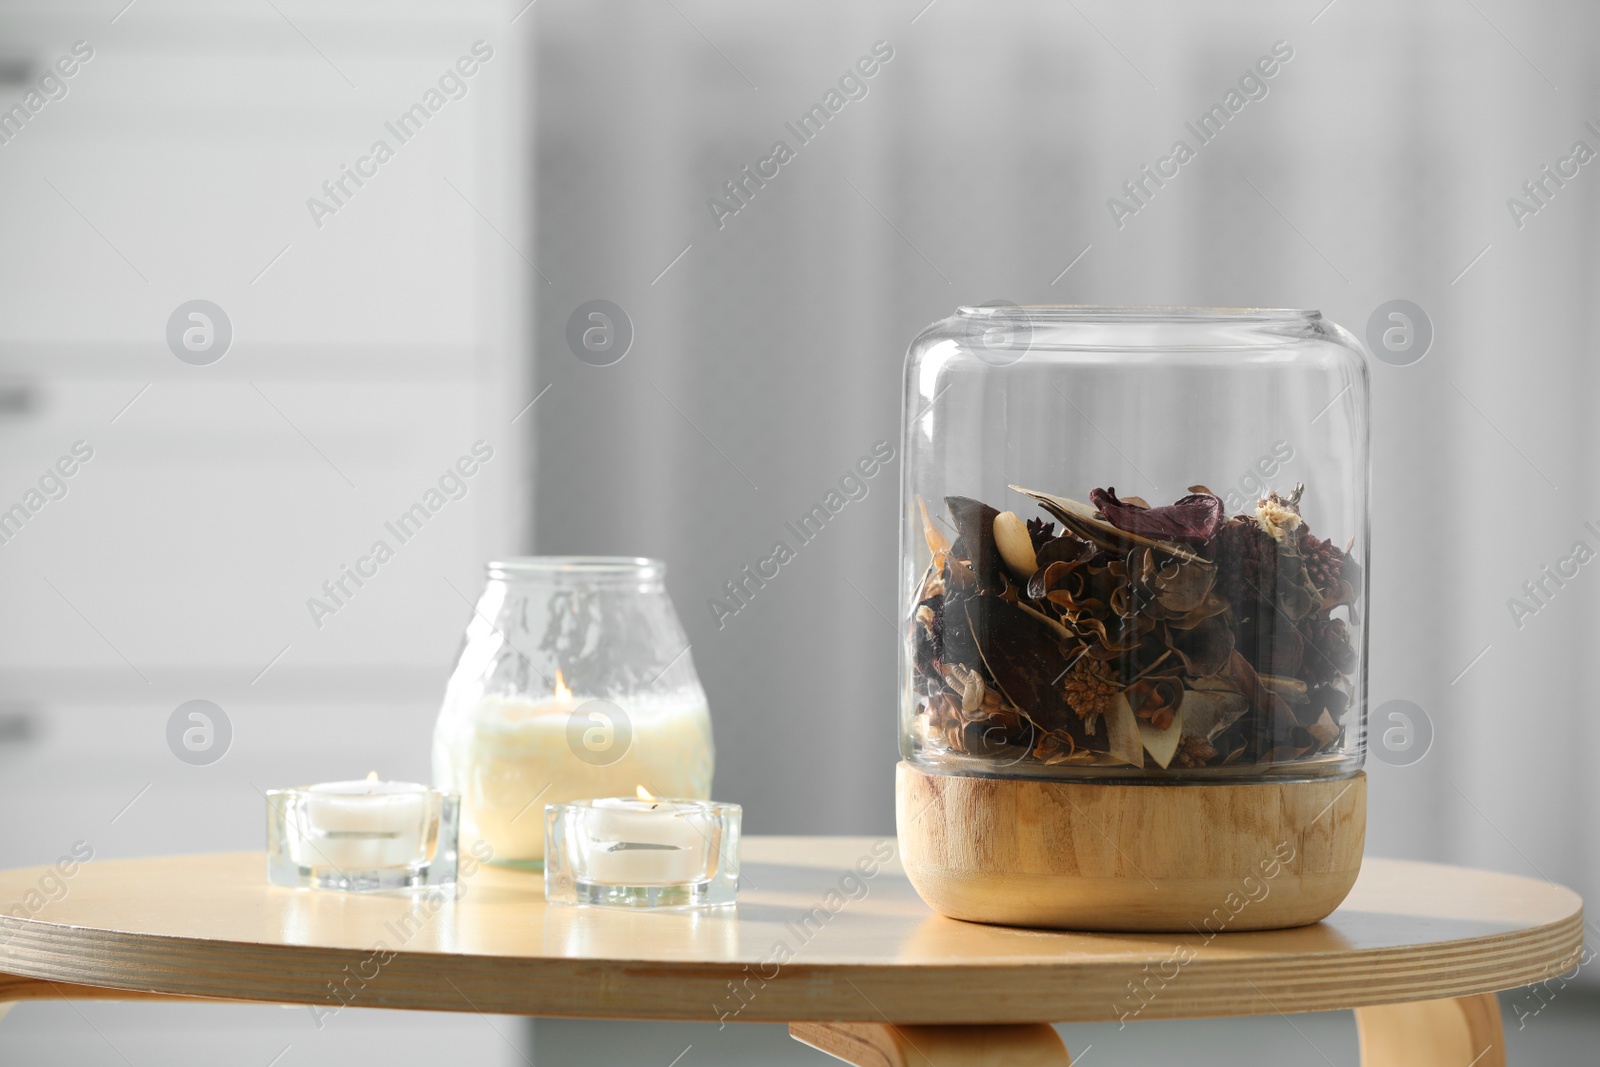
(1133, 545)
(574, 682)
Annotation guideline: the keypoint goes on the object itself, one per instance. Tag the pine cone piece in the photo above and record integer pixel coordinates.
(1324, 562)
(1242, 550)
(1088, 693)
(1041, 532)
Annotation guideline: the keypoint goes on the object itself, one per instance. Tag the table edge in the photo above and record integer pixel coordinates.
(662, 989)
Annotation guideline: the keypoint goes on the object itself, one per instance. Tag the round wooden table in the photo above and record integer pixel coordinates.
(828, 936)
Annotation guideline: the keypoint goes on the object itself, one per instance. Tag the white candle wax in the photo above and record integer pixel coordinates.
(512, 756)
(362, 825)
(646, 842)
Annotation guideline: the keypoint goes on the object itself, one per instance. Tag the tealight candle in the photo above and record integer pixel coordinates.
(362, 824)
(647, 842)
(367, 834)
(642, 852)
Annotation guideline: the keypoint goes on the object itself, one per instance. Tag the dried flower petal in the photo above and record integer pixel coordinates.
(1161, 742)
(1055, 746)
(1280, 516)
(1194, 519)
(1156, 700)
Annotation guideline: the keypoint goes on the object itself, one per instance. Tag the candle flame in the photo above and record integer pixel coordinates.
(562, 692)
(372, 776)
(642, 793)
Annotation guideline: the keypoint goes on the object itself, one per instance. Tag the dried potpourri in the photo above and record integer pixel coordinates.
(1169, 636)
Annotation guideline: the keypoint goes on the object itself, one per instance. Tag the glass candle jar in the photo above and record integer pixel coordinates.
(1133, 545)
(575, 681)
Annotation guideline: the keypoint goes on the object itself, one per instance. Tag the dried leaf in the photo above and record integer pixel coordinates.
(938, 543)
(1026, 660)
(1064, 549)
(1181, 586)
(956, 644)
(1170, 586)
(1261, 698)
(1325, 730)
(1293, 690)
(974, 522)
(1298, 595)
(1206, 713)
(1214, 684)
(1205, 649)
(1061, 631)
(1329, 700)
(1122, 732)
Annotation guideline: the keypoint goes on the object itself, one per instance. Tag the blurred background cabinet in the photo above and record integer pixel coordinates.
(368, 353)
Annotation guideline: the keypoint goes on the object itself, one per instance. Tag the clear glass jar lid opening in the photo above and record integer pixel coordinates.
(583, 568)
(1106, 314)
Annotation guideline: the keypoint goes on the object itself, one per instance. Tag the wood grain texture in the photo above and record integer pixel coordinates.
(1464, 1032)
(856, 945)
(15, 989)
(884, 1045)
(1099, 856)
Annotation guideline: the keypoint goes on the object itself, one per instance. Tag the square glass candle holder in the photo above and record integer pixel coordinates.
(362, 836)
(642, 853)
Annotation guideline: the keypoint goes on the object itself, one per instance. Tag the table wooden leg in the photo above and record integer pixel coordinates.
(883, 1045)
(1433, 1033)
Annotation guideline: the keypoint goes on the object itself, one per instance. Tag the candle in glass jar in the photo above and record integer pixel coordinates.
(362, 825)
(513, 755)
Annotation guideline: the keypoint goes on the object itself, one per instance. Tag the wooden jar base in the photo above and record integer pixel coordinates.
(1207, 858)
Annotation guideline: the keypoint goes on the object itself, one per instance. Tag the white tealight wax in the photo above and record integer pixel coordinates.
(362, 825)
(646, 842)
